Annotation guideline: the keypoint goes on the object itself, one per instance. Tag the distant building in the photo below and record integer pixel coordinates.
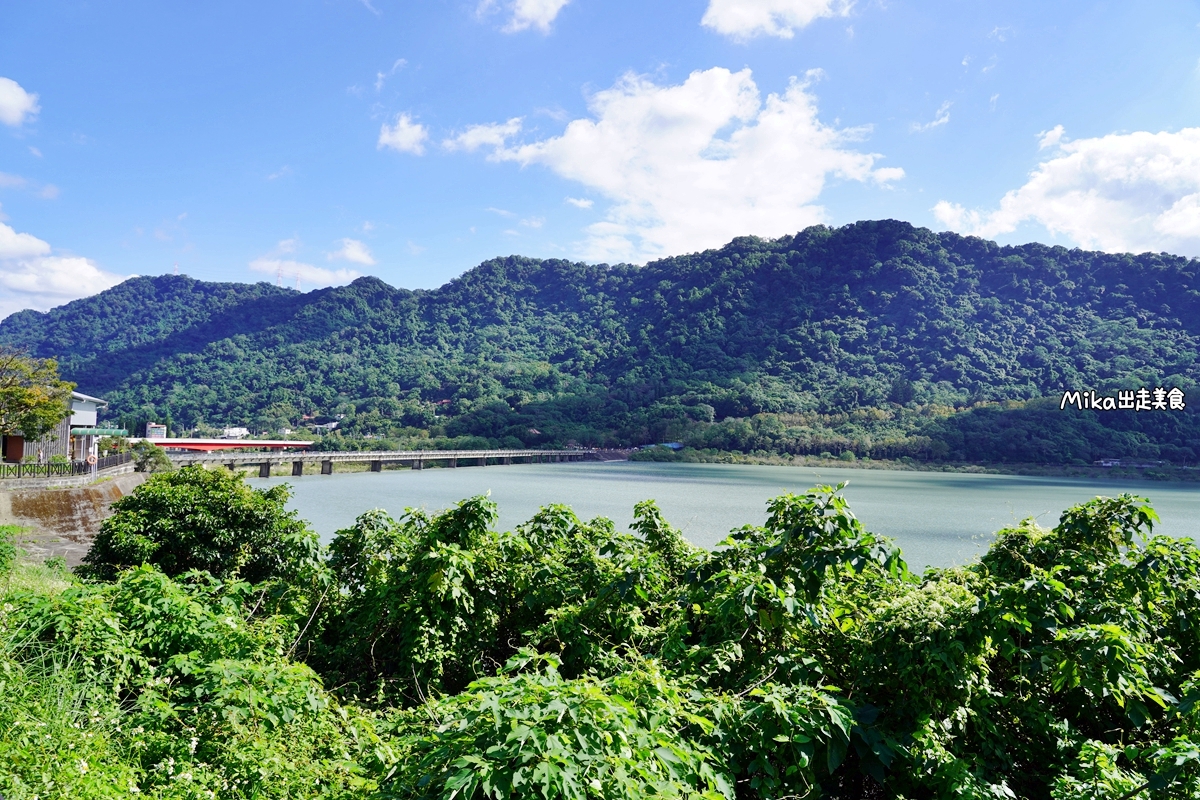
(155, 431)
(74, 437)
(235, 433)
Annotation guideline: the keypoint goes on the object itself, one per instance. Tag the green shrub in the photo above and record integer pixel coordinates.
(8, 548)
(536, 735)
(167, 688)
(201, 519)
(566, 659)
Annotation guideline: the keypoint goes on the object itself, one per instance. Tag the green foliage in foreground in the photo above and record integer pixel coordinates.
(438, 658)
(202, 519)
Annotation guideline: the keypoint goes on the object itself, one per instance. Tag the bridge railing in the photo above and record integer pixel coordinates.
(385, 456)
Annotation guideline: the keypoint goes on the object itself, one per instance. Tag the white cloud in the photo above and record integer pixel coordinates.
(404, 136)
(30, 277)
(305, 275)
(282, 172)
(534, 222)
(33, 151)
(1050, 138)
(940, 118)
(526, 14)
(381, 77)
(352, 250)
(20, 245)
(579, 202)
(46, 191)
(745, 19)
(693, 165)
(503, 212)
(17, 106)
(1121, 193)
(476, 136)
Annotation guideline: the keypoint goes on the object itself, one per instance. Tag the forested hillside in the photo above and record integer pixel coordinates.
(878, 338)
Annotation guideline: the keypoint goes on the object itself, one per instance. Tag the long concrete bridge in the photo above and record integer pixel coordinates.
(416, 459)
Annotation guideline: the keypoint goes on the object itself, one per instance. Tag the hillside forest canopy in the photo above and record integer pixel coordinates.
(428, 655)
(877, 339)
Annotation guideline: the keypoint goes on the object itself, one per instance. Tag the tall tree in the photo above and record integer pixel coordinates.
(33, 399)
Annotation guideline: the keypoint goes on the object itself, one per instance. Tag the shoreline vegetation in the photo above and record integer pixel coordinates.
(1158, 473)
(210, 647)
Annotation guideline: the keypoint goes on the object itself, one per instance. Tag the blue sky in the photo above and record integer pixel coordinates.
(318, 140)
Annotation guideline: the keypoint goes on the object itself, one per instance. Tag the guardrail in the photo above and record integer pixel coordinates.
(62, 470)
(386, 456)
(417, 459)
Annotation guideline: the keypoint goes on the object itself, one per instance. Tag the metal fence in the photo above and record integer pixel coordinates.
(63, 470)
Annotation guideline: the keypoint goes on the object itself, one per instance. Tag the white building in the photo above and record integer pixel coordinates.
(74, 437)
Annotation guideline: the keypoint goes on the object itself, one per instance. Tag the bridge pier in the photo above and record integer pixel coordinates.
(232, 466)
(454, 462)
(326, 467)
(377, 466)
(297, 469)
(508, 460)
(264, 469)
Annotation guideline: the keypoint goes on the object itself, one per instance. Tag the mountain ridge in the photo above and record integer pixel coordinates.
(872, 315)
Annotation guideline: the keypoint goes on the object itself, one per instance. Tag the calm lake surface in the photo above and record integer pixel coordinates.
(939, 519)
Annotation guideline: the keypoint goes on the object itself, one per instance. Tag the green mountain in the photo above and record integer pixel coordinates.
(878, 337)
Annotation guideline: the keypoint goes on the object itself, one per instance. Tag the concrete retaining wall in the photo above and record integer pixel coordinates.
(63, 520)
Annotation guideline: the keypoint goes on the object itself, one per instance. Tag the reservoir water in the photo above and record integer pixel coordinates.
(939, 519)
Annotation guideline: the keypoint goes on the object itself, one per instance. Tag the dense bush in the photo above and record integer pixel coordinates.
(165, 688)
(566, 659)
(202, 519)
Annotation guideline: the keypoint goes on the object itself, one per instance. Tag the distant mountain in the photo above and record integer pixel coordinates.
(863, 337)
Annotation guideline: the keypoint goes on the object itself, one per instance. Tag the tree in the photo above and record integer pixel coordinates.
(202, 519)
(33, 399)
(149, 457)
